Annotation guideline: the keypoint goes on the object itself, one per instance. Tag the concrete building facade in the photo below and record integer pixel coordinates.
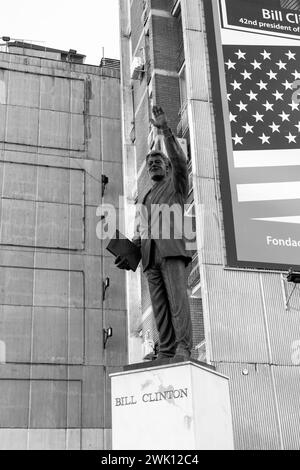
(241, 324)
(60, 134)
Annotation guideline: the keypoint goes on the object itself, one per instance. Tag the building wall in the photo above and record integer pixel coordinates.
(249, 333)
(60, 130)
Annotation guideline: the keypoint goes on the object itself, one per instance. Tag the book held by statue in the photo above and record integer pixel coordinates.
(122, 246)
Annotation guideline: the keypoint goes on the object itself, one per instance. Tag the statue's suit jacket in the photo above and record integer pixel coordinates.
(171, 192)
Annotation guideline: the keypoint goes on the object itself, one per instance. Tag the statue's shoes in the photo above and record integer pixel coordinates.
(181, 355)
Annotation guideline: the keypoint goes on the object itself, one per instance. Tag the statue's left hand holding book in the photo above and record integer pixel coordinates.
(128, 255)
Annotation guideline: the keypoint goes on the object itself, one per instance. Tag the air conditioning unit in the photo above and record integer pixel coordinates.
(137, 68)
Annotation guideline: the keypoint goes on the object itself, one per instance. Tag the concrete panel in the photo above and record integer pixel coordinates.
(94, 401)
(52, 260)
(48, 404)
(47, 439)
(19, 181)
(16, 258)
(93, 244)
(253, 407)
(54, 129)
(14, 402)
(73, 439)
(236, 321)
(50, 335)
(55, 93)
(51, 405)
(18, 222)
(94, 337)
(93, 184)
(93, 95)
(13, 439)
(14, 371)
(110, 98)
(58, 225)
(74, 405)
(77, 96)
(15, 332)
(52, 225)
(111, 140)
(53, 184)
(16, 286)
(77, 230)
(116, 346)
(3, 86)
(115, 294)
(107, 439)
(1, 174)
(58, 288)
(23, 89)
(93, 136)
(77, 186)
(22, 125)
(92, 439)
(92, 267)
(77, 141)
(76, 340)
(57, 335)
(114, 189)
(2, 122)
(57, 372)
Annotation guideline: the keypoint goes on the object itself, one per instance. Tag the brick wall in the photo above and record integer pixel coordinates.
(166, 5)
(167, 94)
(165, 43)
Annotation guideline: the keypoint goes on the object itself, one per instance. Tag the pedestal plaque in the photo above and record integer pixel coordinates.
(182, 406)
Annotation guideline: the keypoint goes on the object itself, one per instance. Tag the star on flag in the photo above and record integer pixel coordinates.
(263, 109)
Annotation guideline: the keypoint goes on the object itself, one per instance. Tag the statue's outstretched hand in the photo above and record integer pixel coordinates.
(122, 263)
(160, 119)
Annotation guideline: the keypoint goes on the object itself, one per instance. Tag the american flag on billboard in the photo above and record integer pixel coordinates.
(264, 114)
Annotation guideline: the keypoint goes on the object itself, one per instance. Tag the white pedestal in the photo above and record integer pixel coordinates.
(183, 406)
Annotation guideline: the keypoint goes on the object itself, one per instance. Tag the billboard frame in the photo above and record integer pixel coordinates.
(211, 19)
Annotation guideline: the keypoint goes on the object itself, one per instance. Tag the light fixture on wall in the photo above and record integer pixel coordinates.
(107, 333)
(105, 286)
(293, 276)
(104, 180)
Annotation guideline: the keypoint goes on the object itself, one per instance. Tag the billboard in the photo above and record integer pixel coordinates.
(255, 71)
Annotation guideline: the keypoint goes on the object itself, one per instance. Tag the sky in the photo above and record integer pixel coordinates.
(84, 25)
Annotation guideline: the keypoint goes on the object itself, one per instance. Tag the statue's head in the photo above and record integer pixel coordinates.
(158, 165)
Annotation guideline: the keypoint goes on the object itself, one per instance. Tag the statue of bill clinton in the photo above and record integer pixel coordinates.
(164, 255)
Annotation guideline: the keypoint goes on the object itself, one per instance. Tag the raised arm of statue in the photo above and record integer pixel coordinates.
(174, 151)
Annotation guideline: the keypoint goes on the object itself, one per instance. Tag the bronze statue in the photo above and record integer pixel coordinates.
(164, 255)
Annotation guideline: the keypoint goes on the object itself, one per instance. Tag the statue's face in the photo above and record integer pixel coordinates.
(157, 168)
